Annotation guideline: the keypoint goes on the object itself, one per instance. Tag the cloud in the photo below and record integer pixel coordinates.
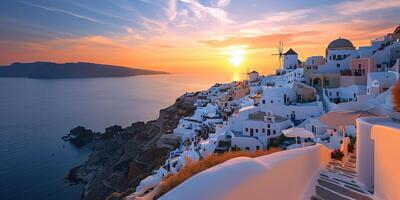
(98, 11)
(202, 12)
(223, 3)
(52, 9)
(134, 33)
(171, 11)
(152, 25)
(360, 6)
(163, 45)
(260, 41)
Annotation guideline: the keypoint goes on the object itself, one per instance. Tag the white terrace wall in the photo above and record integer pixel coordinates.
(387, 161)
(283, 175)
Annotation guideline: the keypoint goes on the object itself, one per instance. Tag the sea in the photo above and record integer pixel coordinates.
(36, 113)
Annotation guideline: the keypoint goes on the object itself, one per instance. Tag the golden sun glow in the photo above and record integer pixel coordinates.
(236, 56)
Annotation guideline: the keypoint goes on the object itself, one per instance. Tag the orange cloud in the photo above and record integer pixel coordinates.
(259, 41)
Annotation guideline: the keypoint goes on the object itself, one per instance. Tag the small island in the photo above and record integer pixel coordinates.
(50, 70)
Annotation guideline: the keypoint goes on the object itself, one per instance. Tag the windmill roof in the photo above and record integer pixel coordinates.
(290, 52)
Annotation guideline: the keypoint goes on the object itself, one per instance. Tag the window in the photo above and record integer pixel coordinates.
(274, 132)
(338, 65)
(247, 148)
(272, 101)
(247, 130)
(257, 147)
(337, 94)
(263, 101)
(269, 125)
(263, 130)
(268, 132)
(256, 130)
(326, 82)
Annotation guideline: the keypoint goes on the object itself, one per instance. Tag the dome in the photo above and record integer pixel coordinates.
(397, 30)
(340, 43)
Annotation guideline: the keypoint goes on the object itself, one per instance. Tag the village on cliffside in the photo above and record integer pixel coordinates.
(313, 111)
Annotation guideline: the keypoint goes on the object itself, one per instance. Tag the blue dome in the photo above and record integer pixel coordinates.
(340, 43)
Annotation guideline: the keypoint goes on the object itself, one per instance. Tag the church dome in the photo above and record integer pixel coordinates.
(340, 43)
(397, 30)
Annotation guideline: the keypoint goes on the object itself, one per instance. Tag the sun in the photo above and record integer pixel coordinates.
(236, 56)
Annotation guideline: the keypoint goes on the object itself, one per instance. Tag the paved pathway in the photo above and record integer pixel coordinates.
(338, 182)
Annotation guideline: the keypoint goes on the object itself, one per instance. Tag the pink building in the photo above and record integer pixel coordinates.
(359, 69)
(361, 66)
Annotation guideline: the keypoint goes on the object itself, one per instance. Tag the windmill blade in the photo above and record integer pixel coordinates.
(280, 47)
(279, 53)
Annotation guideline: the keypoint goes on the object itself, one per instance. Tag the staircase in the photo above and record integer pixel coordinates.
(338, 182)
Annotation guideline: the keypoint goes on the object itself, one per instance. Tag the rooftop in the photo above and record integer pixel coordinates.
(290, 52)
(259, 116)
(340, 43)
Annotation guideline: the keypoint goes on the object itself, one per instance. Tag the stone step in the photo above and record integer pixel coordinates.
(347, 191)
(326, 194)
(316, 198)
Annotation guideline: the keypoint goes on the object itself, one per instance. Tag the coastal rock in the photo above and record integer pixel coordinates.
(79, 136)
(121, 157)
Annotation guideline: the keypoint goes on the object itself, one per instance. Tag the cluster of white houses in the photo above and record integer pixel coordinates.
(249, 114)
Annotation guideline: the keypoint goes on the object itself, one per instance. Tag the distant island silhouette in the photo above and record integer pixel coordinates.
(50, 70)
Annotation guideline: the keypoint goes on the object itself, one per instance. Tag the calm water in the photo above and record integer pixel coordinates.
(34, 114)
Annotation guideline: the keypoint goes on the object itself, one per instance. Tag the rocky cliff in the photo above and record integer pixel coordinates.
(121, 157)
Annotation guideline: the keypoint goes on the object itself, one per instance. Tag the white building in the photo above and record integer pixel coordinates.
(378, 82)
(290, 60)
(345, 94)
(339, 53)
(315, 60)
(264, 126)
(282, 101)
(253, 76)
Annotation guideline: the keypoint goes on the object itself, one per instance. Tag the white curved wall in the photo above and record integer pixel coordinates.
(283, 175)
(387, 156)
(366, 148)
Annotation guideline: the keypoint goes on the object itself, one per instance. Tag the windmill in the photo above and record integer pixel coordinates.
(279, 54)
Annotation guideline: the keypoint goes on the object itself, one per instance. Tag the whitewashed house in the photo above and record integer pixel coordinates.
(378, 82)
(345, 94)
(282, 101)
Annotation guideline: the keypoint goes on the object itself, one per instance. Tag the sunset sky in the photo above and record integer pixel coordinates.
(185, 35)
